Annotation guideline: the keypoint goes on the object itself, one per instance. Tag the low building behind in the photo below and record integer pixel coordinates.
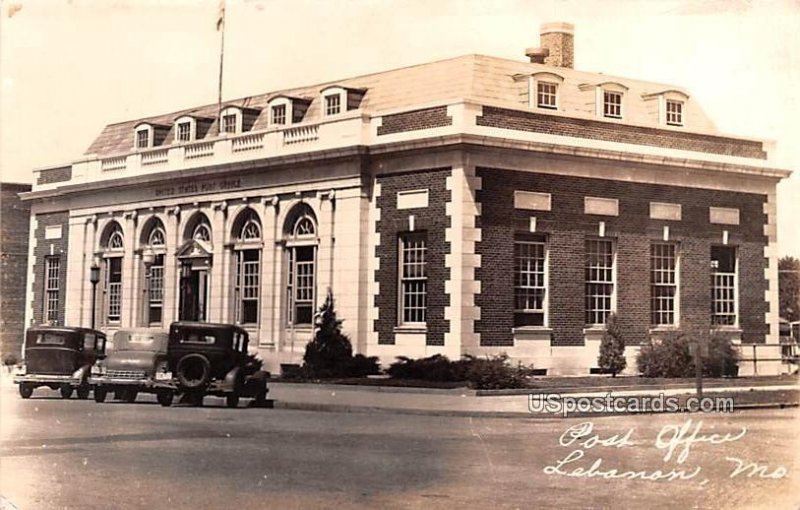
(14, 223)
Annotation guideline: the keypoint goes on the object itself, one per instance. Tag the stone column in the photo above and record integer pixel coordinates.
(269, 305)
(217, 303)
(171, 273)
(325, 248)
(130, 266)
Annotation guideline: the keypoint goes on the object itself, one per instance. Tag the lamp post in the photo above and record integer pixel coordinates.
(94, 277)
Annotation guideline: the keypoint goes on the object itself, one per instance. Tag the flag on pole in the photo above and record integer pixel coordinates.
(221, 15)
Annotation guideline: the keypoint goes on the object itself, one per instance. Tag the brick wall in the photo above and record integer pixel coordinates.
(43, 250)
(54, 175)
(415, 120)
(14, 224)
(585, 128)
(393, 222)
(567, 228)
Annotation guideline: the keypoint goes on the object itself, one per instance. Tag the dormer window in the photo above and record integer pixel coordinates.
(612, 104)
(336, 99)
(540, 89)
(546, 95)
(671, 106)
(231, 120)
(278, 115)
(143, 139)
(674, 112)
(185, 129)
(333, 104)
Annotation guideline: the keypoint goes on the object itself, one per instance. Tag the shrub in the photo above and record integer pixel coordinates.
(9, 359)
(612, 348)
(330, 353)
(723, 358)
(669, 358)
(330, 349)
(480, 373)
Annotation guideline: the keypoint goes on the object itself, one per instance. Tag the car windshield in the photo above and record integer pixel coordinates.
(50, 339)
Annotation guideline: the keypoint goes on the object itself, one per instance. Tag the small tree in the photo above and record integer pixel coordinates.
(330, 350)
(789, 288)
(612, 348)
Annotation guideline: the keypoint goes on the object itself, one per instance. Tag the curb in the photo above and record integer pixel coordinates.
(348, 408)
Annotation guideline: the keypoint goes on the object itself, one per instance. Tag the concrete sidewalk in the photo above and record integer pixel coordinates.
(465, 402)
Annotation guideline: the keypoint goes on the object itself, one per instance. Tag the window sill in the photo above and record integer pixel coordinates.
(594, 328)
(531, 329)
(411, 329)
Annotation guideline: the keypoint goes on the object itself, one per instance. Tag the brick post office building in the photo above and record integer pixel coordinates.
(472, 205)
(14, 220)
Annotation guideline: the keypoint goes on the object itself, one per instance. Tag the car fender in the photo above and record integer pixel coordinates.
(82, 374)
(231, 379)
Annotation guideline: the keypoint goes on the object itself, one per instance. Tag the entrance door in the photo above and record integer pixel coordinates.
(194, 294)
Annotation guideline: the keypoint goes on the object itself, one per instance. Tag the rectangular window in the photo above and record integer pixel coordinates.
(529, 282)
(599, 280)
(674, 113)
(301, 278)
(184, 132)
(663, 283)
(279, 114)
(229, 123)
(546, 94)
(142, 139)
(723, 286)
(51, 289)
(413, 278)
(113, 289)
(332, 104)
(612, 104)
(248, 269)
(156, 291)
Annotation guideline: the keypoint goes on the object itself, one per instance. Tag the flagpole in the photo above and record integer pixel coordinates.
(221, 29)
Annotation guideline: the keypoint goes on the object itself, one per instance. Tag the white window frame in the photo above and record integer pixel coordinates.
(403, 239)
(155, 293)
(592, 311)
(231, 110)
(545, 274)
(52, 284)
(299, 240)
(113, 290)
(241, 295)
(656, 313)
(278, 102)
(716, 278)
(331, 92)
(192, 128)
(143, 128)
(679, 114)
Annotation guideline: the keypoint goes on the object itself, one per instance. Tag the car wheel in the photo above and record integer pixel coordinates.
(66, 391)
(83, 391)
(25, 390)
(100, 395)
(165, 398)
(129, 396)
(193, 371)
(232, 399)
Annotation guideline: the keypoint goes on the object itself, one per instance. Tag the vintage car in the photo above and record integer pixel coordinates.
(212, 359)
(59, 357)
(138, 364)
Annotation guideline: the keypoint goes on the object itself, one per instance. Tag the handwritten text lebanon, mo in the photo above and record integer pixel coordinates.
(192, 188)
(676, 443)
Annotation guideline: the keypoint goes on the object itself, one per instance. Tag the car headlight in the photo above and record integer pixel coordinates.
(21, 369)
(98, 369)
(162, 372)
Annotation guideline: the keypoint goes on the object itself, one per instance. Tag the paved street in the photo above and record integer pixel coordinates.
(78, 454)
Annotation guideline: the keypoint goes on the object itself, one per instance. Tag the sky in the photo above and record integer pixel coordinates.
(69, 67)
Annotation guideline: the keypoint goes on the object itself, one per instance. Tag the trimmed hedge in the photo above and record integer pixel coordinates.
(480, 373)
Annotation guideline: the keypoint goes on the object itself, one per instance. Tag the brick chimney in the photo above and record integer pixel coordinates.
(557, 48)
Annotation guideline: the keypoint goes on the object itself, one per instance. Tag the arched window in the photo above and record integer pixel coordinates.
(300, 229)
(202, 232)
(112, 258)
(153, 261)
(247, 286)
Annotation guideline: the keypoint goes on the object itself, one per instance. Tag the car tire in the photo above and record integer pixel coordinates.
(129, 396)
(25, 390)
(100, 395)
(65, 390)
(83, 391)
(165, 398)
(193, 371)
